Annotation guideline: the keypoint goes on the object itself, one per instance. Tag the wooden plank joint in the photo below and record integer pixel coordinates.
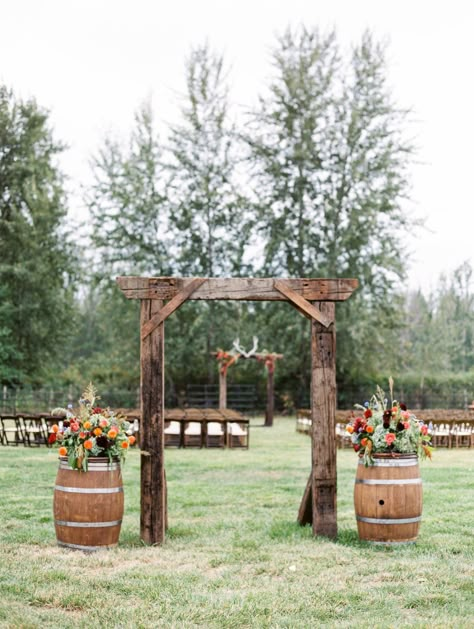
(301, 304)
(171, 306)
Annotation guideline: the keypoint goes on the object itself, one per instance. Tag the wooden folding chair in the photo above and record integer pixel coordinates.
(238, 434)
(215, 434)
(462, 434)
(172, 433)
(35, 430)
(12, 430)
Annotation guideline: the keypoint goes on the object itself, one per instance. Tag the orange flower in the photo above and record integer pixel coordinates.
(112, 433)
(363, 442)
(82, 435)
(369, 429)
(97, 431)
(124, 445)
(131, 440)
(62, 451)
(88, 444)
(350, 429)
(87, 425)
(55, 428)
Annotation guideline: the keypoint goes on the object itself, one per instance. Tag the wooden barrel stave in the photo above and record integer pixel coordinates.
(88, 506)
(388, 500)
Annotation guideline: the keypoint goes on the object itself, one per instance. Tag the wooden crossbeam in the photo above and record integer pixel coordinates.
(171, 306)
(241, 288)
(301, 304)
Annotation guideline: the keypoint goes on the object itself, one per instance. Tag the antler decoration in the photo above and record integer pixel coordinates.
(241, 350)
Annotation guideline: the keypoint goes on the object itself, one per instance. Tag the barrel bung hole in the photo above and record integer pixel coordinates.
(381, 502)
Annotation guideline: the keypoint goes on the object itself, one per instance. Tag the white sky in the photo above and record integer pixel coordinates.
(92, 62)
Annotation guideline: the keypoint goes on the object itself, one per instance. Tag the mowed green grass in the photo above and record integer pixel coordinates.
(234, 555)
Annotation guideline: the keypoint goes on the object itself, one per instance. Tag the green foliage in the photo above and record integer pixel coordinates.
(128, 203)
(330, 178)
(37, 259)
(207, 209)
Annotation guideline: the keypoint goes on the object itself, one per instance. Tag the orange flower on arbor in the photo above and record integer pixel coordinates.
(87, 425)
(55, 428)
(88, 444)
(369, 429)
(125, 444)
(97, 431)
(131, 440)
(112, 433)
(62, 451)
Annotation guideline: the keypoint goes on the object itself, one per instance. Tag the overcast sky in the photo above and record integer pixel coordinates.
(92, 62)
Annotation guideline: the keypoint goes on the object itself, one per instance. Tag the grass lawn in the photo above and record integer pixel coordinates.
(234, 556)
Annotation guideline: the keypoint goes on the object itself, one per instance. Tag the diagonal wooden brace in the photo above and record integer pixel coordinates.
(171, 306)
(301, 304)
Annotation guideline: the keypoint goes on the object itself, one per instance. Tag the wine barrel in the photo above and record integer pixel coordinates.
(88, 506)
(388, 499)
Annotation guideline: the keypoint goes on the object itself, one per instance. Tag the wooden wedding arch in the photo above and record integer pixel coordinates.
(314, 298)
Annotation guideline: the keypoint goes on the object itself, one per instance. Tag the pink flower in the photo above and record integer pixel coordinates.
(406, 425)
(424, 430)
(389, 438)
(74, 426)
(405, 415)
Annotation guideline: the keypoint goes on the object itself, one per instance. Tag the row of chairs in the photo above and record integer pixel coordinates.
(303, 424)
(447, 434)
(207, 434)
(25, 429)
(34, 430)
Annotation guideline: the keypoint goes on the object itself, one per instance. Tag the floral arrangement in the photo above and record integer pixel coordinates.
(91, 432)
(385, 427)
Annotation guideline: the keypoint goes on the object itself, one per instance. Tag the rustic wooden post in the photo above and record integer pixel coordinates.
(222, 387)
(323, 412)
(152, 367)
(270, 397)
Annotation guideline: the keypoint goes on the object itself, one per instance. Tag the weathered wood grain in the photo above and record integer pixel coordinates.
(171, 306)
(301, 304)
(153, 493)
(323, 412)
(270, 399)
(222, 390)
(251, 289)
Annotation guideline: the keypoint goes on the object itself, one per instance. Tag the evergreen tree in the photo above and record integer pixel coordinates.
(206, 206)
(330, 167)
(37, 259)
(128, 203)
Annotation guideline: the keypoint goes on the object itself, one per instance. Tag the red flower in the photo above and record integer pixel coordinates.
(367, 413)
(424, 430)
(96, 411)
(52, 438)
(359, 424)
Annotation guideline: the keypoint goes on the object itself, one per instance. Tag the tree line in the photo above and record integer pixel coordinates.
(312, 182)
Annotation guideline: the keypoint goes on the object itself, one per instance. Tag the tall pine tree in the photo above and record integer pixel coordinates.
(36, 259)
